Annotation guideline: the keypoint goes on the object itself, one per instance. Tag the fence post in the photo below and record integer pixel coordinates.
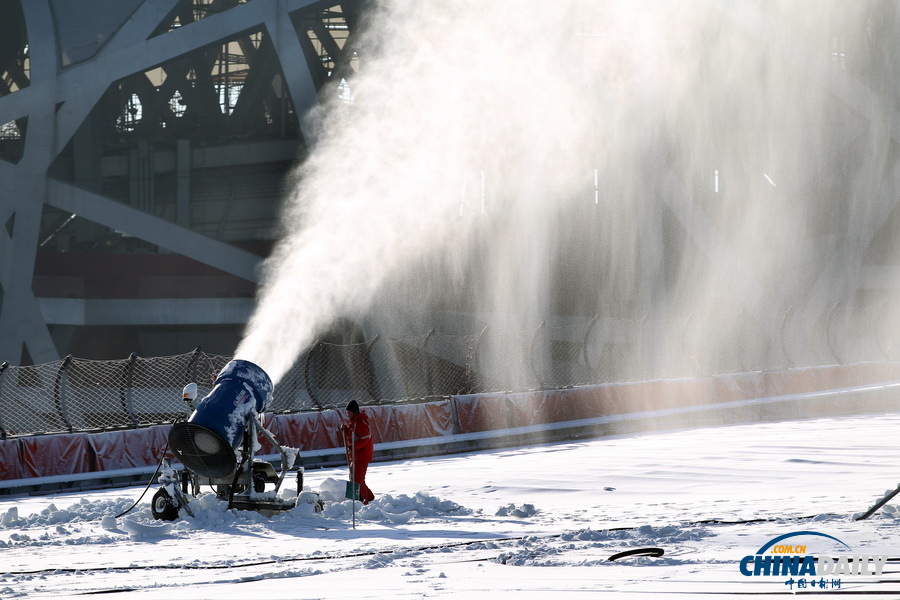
(454, 415)
(534, 340)
(473, 351)
(191, 370)
(126, 390)
(316, 345)
(584, 348)
(828, 321)
(3, 367)
(692, 364)
(426, 364)
(59, 392)
(371, 379)
(784, 350)
(649, 358)
(886, 347)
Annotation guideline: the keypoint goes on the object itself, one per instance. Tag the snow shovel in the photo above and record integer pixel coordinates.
(351, 491)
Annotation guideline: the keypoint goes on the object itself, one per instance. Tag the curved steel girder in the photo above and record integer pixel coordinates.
(21, 322)
(83, 84)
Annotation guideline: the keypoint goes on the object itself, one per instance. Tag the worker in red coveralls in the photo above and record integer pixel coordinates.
(360, 448)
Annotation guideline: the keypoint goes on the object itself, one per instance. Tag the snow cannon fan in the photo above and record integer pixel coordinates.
(207, 442)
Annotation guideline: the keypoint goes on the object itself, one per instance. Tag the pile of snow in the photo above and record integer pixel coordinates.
(511, 510)
(322, 507)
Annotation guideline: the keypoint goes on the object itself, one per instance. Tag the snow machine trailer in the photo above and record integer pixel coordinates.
(216, 445)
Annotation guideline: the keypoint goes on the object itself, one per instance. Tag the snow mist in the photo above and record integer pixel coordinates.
(654, 161)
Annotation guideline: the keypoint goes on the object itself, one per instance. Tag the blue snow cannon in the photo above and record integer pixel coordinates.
(207, 442)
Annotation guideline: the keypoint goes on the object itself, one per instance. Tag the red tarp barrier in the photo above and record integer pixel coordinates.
(483, 413)
(60, 454)
(320, 430)
(410, 421)
(597, 401)
(531, 408)
(739, 386)
(129, 449)
(71, 453)
(881, 371)
(585, 403)
(309, 431)
(795, 381)
(384, 422)
(490, 412)
(10, 460)
(425, 420)
(665, 393)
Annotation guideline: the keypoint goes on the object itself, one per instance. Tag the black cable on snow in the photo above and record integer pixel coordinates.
(364, 553)
(149, 483)
(162, 458)
(654, 552)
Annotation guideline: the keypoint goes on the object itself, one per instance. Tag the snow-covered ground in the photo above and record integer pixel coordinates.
(535, 522)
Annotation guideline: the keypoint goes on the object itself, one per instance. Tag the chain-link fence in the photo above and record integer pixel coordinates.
(86, 395)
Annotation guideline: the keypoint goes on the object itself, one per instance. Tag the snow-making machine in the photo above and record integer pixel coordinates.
(217, 443)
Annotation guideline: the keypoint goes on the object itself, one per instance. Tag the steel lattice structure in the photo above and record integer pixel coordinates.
(158, 130)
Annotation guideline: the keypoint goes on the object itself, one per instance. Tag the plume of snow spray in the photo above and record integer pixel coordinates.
(382, 184)
(616, 157)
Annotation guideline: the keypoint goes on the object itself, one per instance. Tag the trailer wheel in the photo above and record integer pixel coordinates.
(259, 482)
(163, 506)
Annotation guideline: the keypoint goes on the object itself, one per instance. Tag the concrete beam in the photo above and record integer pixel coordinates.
(165, 234)
(251, 153)
(159, 311)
